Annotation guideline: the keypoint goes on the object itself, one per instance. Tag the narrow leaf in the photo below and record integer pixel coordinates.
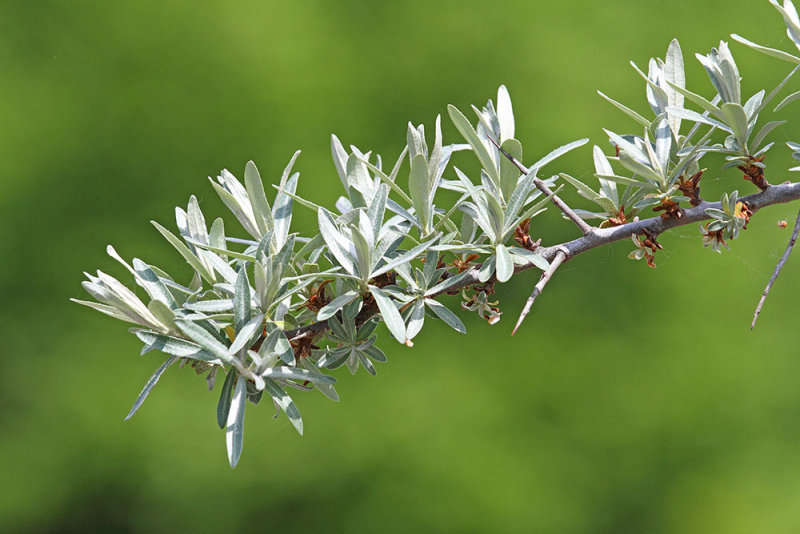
(234, 434)
(389, 314)
(282, 212)
(297, 374)
(224, 403)
(443, 286)
(336, 242)
(466, 130)
(505, 265)
(505, 114)
(241, 300)
(695, 98)
(737, 120)
(558, 152)
(625, 109)
(696, 117)
(148, 387)
(285, 402)
(674, 76)
(788, 100)
(418, 187)
(106, 309)
(203, 338)
(175, 346)
(184, 251)
(531, 257)
(257, 196)
(330, 309)
(416, 319)
(405, 257)
(445, 314)
(780, 54)
(246, 333)
(764, 132)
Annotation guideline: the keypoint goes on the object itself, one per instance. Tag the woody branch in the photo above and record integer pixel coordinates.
(598, 237)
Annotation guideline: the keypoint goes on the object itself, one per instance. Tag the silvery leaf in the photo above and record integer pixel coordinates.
(389, 314)
(444, 313)
(225, 395)
(148, 387)
(284, 401)
(234, 433)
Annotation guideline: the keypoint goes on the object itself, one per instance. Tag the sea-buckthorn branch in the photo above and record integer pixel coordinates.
(372, 245)
(598, 237)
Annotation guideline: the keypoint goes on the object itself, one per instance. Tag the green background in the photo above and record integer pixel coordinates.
(633, 400)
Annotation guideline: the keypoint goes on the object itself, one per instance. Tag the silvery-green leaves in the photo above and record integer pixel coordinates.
(745, 139)
(672, 73)
(389, 312)
(362, 245)
(245, 297)
(353, 346)
(116, 300)
(361, 177)
(723, 73)
(654, 163)
(498, 223)
(425, 176)
(250, 205)
(425, 284)
(728, 221)
(496, 123)
(664, 79)
(498, 214)
(610, 202)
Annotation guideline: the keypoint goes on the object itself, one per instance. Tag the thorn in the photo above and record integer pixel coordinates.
(561, 256)
(526, 309)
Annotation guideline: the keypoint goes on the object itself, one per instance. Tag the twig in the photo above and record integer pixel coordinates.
(541, 186)
(775, 194)
(537, 289)
(777, 270)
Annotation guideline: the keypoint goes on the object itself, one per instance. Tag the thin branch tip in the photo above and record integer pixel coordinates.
(582, 225)
(508, 155)
(777, 270)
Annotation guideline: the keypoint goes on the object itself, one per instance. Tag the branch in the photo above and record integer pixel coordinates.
(541, 186)
(537, 289)
(597, 237)
(777, 270)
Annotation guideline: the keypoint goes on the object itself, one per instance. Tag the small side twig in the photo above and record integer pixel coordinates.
(539, 287)
(541, 186)
(777, 270)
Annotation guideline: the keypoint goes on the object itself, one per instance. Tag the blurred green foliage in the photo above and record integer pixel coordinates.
(631, 401)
